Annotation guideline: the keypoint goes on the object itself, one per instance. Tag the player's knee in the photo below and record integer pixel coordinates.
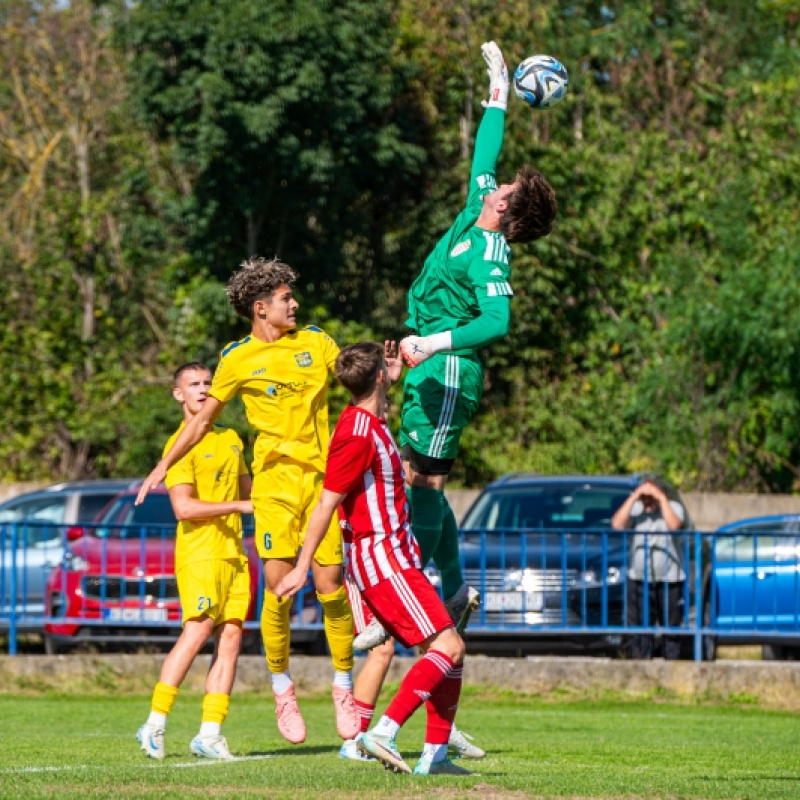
(196, 632)
(327, 579)
(383, 654)
(459, 649)
(450, 643)
(229, 638)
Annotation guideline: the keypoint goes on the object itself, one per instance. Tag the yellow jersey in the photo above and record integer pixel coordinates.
(284, 387)
(212, 467)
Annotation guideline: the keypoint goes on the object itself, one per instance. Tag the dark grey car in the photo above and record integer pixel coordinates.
(550, 570)
(37, 524)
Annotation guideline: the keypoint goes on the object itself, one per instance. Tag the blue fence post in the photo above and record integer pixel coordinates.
(698, 596)
(564, 579)
(12, 622)
(604, 577)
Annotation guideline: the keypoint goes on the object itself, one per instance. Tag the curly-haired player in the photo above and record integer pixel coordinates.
(281, 374)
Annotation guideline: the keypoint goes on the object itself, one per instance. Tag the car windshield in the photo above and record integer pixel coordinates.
(554, 506)
(156, 513)
(40, 509)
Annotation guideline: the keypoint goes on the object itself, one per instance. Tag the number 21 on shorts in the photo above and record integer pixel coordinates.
(203, 603)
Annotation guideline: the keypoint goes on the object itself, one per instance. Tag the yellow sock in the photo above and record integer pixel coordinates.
(215, 708)
(275, 632)
(338, 628)
(163, 698)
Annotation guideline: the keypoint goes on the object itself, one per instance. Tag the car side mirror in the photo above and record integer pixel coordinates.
(74, 533)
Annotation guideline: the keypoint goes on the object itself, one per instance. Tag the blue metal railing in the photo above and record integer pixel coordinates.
(109, 583)
(116, 583)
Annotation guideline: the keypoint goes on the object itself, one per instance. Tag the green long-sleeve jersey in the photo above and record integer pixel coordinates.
(468, 274)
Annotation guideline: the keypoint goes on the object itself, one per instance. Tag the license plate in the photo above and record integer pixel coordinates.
(136, 614)
(513, 601)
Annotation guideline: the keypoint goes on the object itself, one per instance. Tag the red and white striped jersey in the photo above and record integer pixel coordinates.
(365, 465)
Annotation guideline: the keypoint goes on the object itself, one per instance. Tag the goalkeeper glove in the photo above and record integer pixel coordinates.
(416, 349)
(498, 76)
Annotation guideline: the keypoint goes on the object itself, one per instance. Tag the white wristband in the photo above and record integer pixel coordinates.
(440, 341)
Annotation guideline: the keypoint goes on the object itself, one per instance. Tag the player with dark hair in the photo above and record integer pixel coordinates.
(370, 680)
(281, 375)
(459, 303)
(364, 479)
(209, 489)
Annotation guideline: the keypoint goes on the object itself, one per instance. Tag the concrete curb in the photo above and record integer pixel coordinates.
(770, 685)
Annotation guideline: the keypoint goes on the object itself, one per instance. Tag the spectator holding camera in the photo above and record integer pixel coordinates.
(656, 565)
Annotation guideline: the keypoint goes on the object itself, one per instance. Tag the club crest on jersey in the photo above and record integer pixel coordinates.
(304, 359)
(460, 248)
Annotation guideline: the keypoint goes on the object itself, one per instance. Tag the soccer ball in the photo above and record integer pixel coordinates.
(541, 81)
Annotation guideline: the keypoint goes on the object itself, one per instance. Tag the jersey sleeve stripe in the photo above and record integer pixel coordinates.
(362, 425)
(502, 289)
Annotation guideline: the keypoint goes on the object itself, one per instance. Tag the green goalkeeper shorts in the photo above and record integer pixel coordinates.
(440, 397)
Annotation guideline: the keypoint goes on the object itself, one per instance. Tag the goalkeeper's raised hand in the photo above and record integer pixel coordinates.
(416, 349)
(498, 76)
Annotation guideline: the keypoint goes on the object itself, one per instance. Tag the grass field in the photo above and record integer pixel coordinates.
(69, 746)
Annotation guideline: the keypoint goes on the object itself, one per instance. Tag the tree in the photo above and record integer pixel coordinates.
(79, 242)
(296, 135)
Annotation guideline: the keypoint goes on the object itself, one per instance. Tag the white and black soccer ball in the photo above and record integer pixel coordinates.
(541, 81)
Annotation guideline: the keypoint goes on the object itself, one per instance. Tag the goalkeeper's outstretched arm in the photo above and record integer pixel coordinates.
(489, 139)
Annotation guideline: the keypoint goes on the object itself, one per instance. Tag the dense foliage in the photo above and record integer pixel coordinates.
(147, 147)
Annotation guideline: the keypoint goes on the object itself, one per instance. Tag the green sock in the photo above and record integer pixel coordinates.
(446, 554)
(427, 509)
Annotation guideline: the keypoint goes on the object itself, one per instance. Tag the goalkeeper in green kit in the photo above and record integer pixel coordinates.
(460, 302)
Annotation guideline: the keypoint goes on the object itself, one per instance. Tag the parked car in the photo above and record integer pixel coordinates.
(754, 584)
(550, 570)
(40, 518)
(116, 582)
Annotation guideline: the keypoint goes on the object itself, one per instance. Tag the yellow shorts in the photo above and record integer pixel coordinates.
(218, 588)
(284, 495)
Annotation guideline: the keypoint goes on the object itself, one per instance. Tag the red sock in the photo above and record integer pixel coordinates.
(419, 684)
(442, 707)
(365, 712)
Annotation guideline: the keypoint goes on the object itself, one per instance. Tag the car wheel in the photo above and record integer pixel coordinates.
(775, 652)
(51, 648)
(709, 647)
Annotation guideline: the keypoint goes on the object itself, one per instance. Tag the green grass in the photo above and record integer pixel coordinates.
(84, 746)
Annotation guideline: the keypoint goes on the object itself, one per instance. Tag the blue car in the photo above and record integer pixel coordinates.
(755, 584)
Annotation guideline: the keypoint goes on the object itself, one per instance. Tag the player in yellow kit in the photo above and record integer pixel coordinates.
(281, 374)
(208, 489)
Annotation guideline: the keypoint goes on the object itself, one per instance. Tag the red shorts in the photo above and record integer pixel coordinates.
(362, 616)
(408, 607)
